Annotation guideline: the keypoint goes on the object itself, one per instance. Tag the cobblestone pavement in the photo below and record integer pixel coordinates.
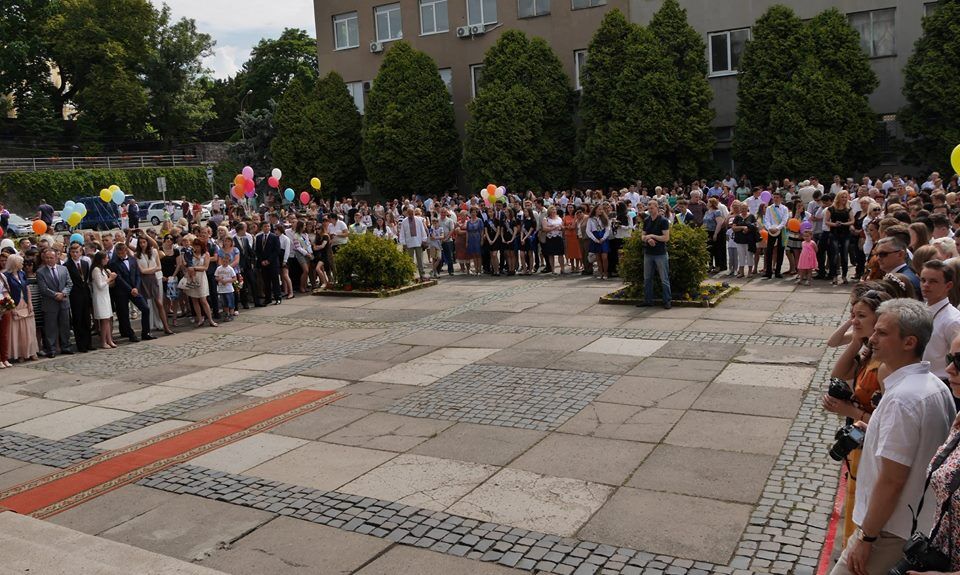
(573, 398)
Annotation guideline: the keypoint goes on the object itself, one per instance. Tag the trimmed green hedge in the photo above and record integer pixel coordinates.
(24, 190)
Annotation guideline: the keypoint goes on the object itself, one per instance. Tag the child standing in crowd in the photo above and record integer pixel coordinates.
(226, 275)
(808, 257)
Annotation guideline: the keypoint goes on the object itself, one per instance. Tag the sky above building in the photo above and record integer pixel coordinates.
(237, 25)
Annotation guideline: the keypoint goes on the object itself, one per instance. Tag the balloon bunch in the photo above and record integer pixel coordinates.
(274, 179)
(492, 194)
(243, 186)
(73, 213)
(112, 194)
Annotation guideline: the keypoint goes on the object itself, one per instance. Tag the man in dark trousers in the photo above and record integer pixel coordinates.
(127, 291)
(55, 286)
(250, 293)
(268, 254)
(81, 302)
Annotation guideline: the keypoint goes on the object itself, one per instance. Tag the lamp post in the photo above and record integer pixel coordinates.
(242, 100)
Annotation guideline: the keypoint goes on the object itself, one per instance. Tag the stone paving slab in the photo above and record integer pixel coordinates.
(659, 324)
(216, 408)
(531, 501)
(67, 422)
(357, 369)
(321, 465)
(388, 432)
(750, 400)
(757, 353)
(696, 350)
(112, 509)
(394, 352)
(287, 546)
(24, 473)
(556, 343)
(297, 382)
(316, 424)
(433, 337)
(682, 369)
(248, 452)
(725, 326)
(19, 374)
(500, 340)
(8, 397)
(266, 362)
(29, 408)
(9, 464)
(628, 422)
(624, 346)
(730, 432)
(141, 434)
(211, 378)
(92, 391)
(653, 392)
(412, 373)
(410, 561)
(521, 358)
(761, 375)
(217, 358)
(480, 443)
(593, 459)
(596, 362)
(145, 398)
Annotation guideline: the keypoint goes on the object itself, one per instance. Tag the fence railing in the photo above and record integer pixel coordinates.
(98, 162)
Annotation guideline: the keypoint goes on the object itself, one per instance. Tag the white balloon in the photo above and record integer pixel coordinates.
(276, 173)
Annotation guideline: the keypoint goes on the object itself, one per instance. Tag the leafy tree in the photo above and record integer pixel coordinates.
(410, 142)
(226, 95)
(597, 157)
(931, 118)
(274, 63)
(293, 149)
(338, 139)
(174, 72)
(24, 72)
(767, 65)
(258, 131)
(689, 152)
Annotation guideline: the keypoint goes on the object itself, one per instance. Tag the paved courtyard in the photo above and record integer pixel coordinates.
(485, 427)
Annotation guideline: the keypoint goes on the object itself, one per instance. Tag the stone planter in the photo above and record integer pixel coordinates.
(344, 292)
(715, 294)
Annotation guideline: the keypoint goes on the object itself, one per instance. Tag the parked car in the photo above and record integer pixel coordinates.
(19, 226)
(100, 215)
(152, 211)
(58, 224)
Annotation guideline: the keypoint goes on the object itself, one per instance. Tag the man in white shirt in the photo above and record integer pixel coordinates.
(930, 184)
(754, 201)
(936, 281)
(774, 220)
(633, 196)
(904, 433)
(806, 191)
(337, 230)
(413, 234)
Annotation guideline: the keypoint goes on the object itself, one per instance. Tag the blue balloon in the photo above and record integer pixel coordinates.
(65, 213)
(288, 194)
(76, 238)
(118, 197)
(68, 205)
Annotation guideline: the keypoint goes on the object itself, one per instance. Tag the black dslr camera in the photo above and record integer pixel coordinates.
(839, 389)
(920, 555)
(848, 438)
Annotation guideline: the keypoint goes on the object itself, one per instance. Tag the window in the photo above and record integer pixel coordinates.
(356, 90)
(476, 73)
(876, 31)
(531, 8)
(579, 59)
(886, 137)
(578, 4)
(481, 12)
(388, 22)
(346, 31)
(446, 74)
(726, 48)
(723, 133)
(433, 17)
(929, 8)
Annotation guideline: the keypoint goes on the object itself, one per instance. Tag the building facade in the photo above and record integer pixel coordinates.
(352, 36)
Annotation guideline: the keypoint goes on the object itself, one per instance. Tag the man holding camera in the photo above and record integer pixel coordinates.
(906, 429)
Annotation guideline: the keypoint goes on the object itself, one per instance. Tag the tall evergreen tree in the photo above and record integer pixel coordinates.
(516, 60)
(689, 152)
(293, 149)
(767, 65)
(337, 138)
(931, 118)
(597, 156)
(410, 142)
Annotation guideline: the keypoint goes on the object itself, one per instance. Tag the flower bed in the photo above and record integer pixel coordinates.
(348, 291)
(710, 295)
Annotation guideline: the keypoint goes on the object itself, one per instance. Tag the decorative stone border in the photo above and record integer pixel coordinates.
(611, 299)
(375, 294)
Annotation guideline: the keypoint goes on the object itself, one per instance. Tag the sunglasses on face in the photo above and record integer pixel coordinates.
(955, 360)
(882, 255)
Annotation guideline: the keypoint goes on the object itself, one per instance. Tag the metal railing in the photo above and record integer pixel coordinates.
(98, 162)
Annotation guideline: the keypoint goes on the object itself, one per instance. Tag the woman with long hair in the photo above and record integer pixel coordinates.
(598, 230)
(474, 240)
(101, 279)
(571, 244)
(838, 219)
(199, 291)
(919, 235)
(148, 259)
(528, 239)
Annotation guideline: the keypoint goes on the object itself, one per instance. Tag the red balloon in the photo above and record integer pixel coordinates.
(248, 185)
(304, 198)
(274, 183)
(1, 232)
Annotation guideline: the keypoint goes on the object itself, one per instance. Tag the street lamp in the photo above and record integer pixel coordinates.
(242, 100)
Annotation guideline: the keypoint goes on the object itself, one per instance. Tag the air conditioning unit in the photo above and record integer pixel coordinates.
(477, 30)
(463, 31)
(376, 47)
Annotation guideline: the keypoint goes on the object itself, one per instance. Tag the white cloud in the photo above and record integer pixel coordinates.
(237, 25)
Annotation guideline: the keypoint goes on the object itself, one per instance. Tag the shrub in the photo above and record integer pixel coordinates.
(689, 261)
(367, 262)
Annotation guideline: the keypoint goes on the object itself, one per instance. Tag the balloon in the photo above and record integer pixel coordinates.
(118, 197)
(248, 185)
(237, 192)
(65, 214)
(81, 209)
(276, 173)
(485, 195)
(765, 197)
(249, 193)
(274, 183)
(113, 188)
(764, 234)
(315, 183)
(288, 195)
(304, 198)
(955, 159)
(793, 224)
(105, 194)
(74, 219)
(69, 204)
(1, 232)
(501, 191)
(39, 227)
(806, 226)
(247, 172)
(238, 181)
(491, 189)
(78, 238)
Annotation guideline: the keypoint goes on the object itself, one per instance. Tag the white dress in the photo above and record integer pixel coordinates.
(101, 295)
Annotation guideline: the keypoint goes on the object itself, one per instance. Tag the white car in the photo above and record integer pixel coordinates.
(19, 227)
(152, 211)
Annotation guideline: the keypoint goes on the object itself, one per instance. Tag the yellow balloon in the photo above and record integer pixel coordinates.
(315, 183)
(74, 219)
(955, 159)
(105, 195)
(114, 188)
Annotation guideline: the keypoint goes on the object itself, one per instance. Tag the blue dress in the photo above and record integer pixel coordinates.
(474, 229)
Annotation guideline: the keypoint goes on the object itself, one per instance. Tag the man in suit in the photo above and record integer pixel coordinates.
(127, 291)
(55, 287)
(81, 300)
(248, 258)
(268, 254)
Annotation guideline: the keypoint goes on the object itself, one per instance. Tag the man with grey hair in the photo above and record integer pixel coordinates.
(904, 433)
(892, 259)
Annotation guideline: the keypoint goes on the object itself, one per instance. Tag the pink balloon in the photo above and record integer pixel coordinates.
(248, 185)
(304, 198)
(247, 172)
(248, 193)
(274, 183)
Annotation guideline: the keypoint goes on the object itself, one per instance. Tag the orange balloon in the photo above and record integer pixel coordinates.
(238, 181)
(793, 224)
(764, 234)
(39, 227)
(491, 189)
